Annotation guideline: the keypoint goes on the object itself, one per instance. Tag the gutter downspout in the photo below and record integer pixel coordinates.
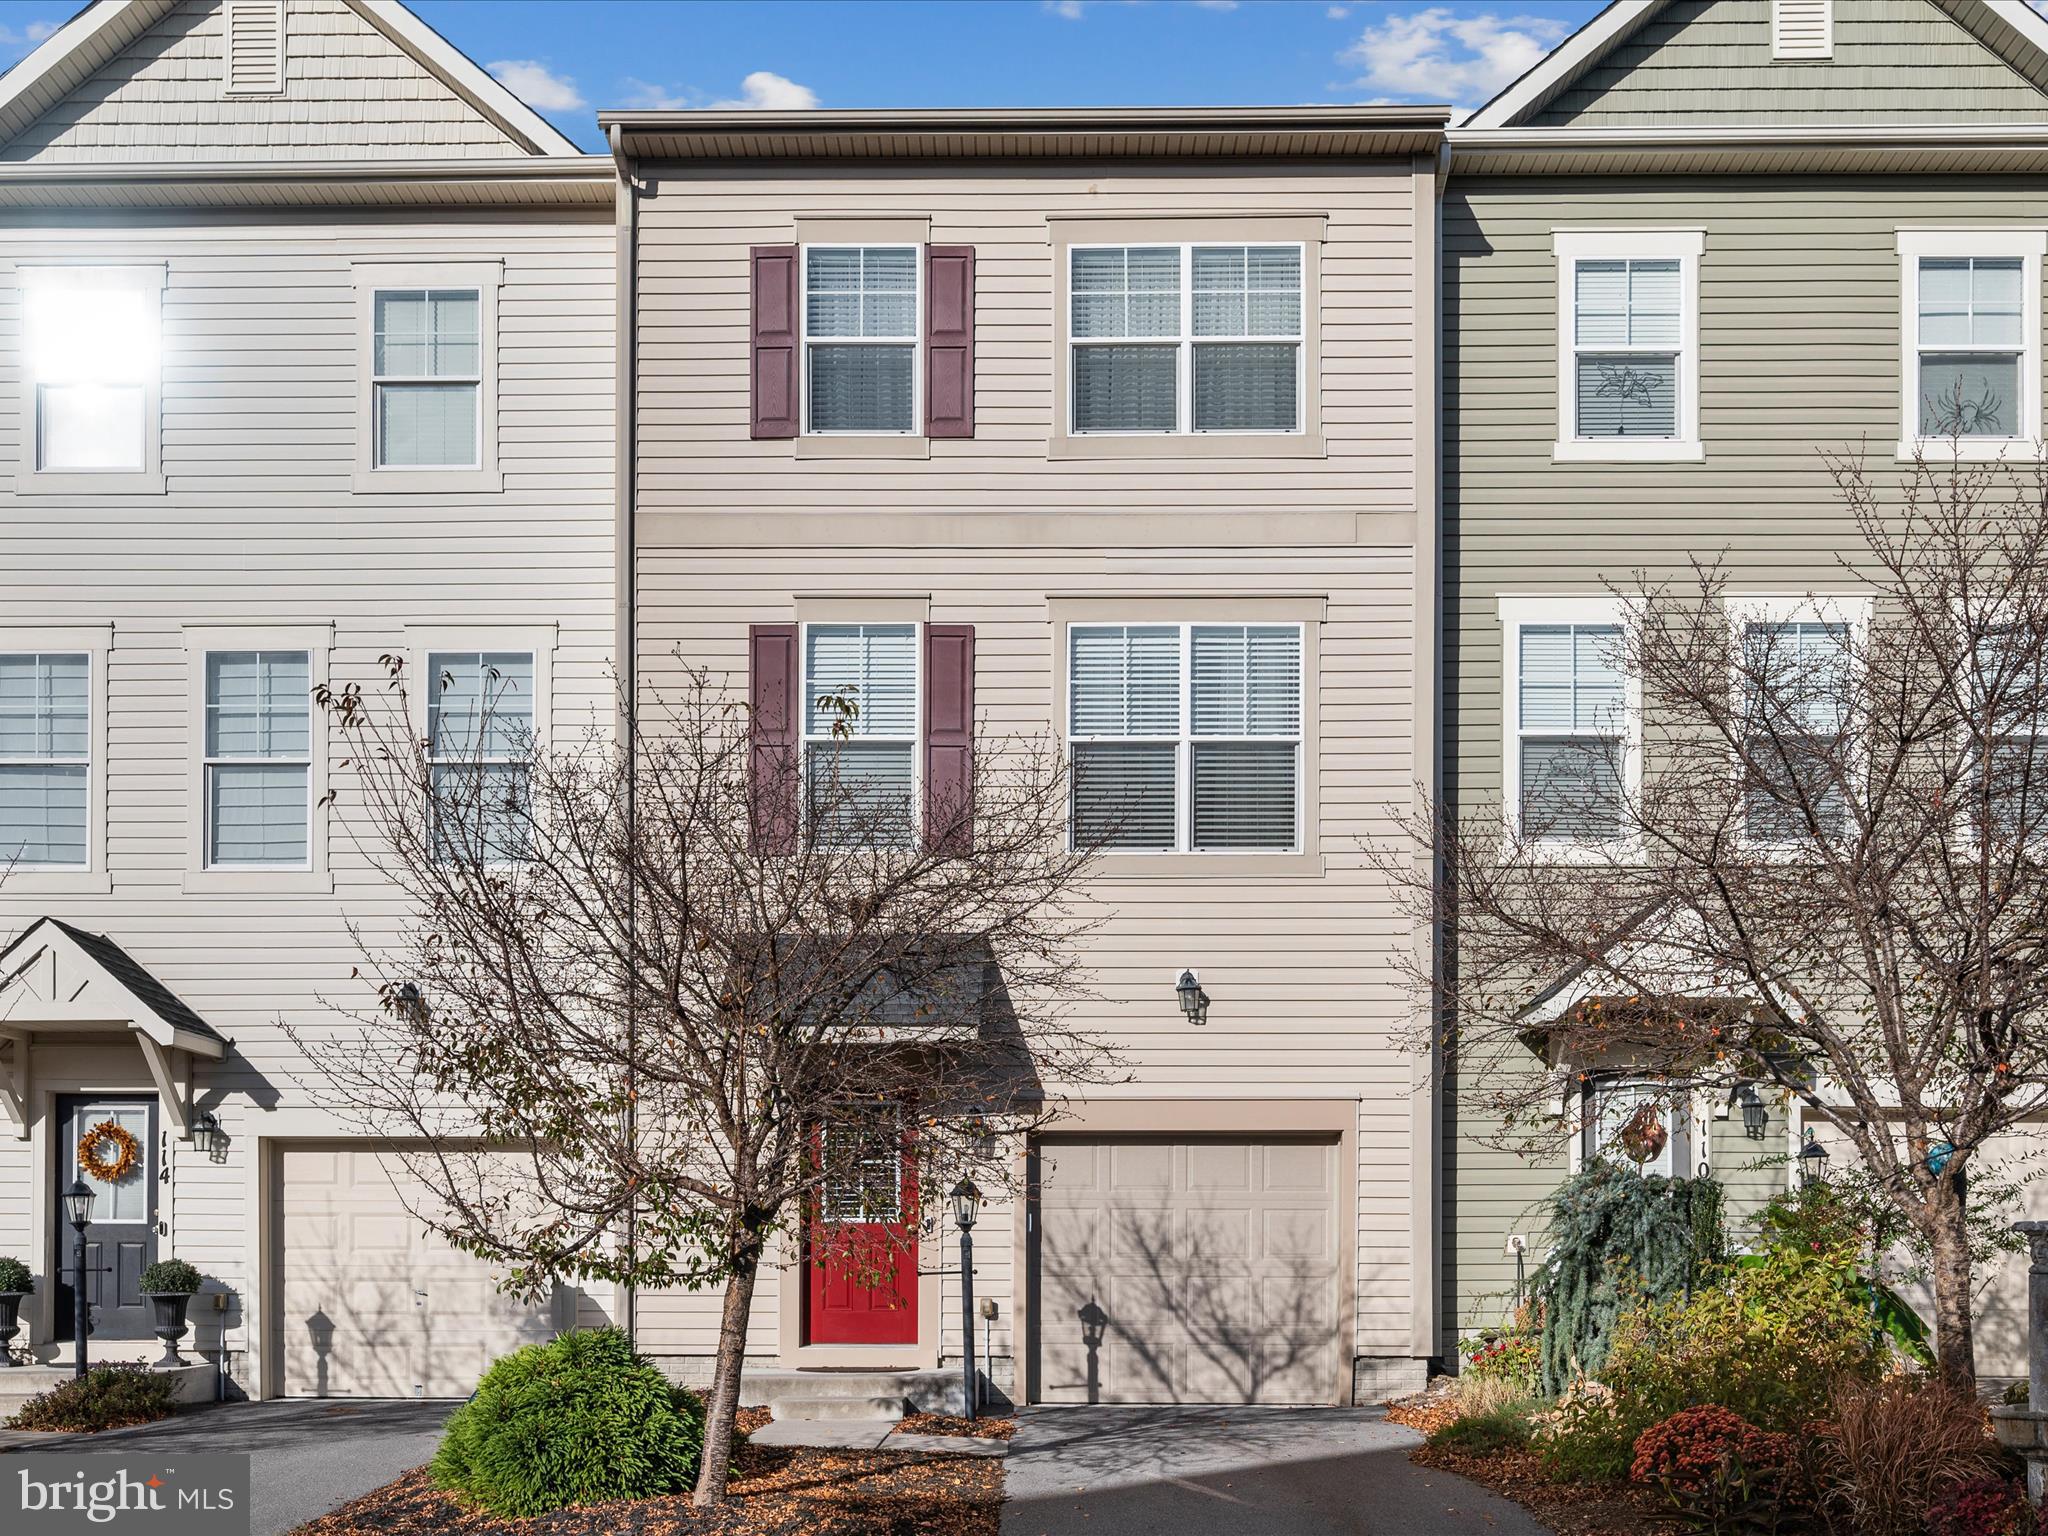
(625, 441)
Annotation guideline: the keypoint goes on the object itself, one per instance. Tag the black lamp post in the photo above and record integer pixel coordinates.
(966, 1209)
(1813, 1160)
(78, 1201)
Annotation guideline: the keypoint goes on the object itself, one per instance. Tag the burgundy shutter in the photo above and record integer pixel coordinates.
(775, 372)
(949, 737)
(772, 736)
(949, 341)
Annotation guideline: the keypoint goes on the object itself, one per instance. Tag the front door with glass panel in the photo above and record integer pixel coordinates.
(863, 1237)
(121, 1238)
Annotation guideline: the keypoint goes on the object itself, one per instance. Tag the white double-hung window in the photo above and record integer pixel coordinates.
(1186, 737)
(1191, 338)
(259, 759)
(45, 760)
(1971, 318)
(427, 366)
(1572, 711)
(1628, 344)
(861, 307)
(481, 738)
(860, 733)
(1796, 671)
(92, 377)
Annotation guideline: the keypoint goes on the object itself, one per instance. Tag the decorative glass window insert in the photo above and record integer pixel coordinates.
(860, 338)
(1186, 338)
(1571, 720)
(92, 350)
(863, 1169)
(860, 730)
(45, 760)
(480, 737)
(1636, 1125)
(427, 378)
(1186, 737)
(1797, 674)
(1627, 333)
(259, 759)
(1971, 346)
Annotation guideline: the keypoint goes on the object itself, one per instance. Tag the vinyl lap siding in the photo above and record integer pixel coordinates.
(1709, 61)
(350, 93)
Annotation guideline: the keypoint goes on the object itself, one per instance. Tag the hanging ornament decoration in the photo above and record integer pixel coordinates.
(1643, 1138)
(108, 1153)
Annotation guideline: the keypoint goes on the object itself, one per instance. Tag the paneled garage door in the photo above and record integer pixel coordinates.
(368, 1305)
(1197, 1271)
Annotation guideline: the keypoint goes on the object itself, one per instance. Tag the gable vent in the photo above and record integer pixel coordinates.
(1802, 29)
(255, 47)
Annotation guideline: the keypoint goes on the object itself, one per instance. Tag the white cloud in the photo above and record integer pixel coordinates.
(644, 96)
(1215, 5)
(38, 31)
(13, 43)
(537, 85)
(1437, 55)
(1067, 10)
(1338, 12)
(766, 91)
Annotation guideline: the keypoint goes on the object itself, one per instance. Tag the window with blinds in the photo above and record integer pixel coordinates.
(1186, 737)
(1185, 338)
(480, 740)
(1796, 681)
(1627, 338)
(91, 349)
(1970, 346)
(427, 378)
(860, 338)
(860, 730)
(1572, 732)
(2009, 709)
(259, 759)
(45, 760)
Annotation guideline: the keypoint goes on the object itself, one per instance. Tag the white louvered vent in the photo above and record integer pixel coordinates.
(1802, 29)
(255, 47)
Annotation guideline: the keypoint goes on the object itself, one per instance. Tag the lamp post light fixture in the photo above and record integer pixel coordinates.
(966, 1201)
(208, 1138)
(78, 1203)
(1813, 1160)
(1194, 1002)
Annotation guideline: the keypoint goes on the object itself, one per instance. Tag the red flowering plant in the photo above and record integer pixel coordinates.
(1720, 1473)
(1984, 1506)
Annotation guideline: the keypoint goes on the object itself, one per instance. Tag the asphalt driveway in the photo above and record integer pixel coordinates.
(305, 1457)
(1236, 1472)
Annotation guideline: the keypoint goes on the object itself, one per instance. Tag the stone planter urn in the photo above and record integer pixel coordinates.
(2023, 1427)
(10, 1325)
(169, 1307)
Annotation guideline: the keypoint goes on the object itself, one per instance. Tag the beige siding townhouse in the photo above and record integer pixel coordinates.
(1747, 209)
(1139, 406)
(306, 357)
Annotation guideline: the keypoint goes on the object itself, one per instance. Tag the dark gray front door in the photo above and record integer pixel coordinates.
(120, 1242)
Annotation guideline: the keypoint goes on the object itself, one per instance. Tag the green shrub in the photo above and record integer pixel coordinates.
(1587, 1437)
(15, 1276)
(173, 1276)
(1487, 1434)
(105, 1397)
(578, 1420)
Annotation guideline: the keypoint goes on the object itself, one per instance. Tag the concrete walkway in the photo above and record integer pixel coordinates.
(305, 1457)
(1236, 1472)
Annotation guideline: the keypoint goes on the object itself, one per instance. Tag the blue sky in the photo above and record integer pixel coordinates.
(570, 57)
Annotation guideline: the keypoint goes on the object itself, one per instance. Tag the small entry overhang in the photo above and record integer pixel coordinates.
(58, 981)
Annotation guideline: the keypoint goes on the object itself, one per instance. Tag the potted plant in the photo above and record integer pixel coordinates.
(169, 1284)
(15, 1283)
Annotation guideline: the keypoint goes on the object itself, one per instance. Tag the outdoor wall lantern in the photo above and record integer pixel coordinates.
(78, 1203)
(1194, 1002)
(1756, 1117)
(208, 1137)
(1813, 1160)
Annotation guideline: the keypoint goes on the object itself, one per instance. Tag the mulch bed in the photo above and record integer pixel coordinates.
(953, 1424)
(1569, 1509)
(775, 1492)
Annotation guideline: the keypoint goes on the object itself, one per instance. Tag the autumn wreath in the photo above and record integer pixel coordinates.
(108, 1153)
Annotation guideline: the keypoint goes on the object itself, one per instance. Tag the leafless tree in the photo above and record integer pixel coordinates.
(648, 1015)
(1824, 879)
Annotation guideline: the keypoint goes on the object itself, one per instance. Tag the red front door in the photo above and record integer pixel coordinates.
(863, 1240)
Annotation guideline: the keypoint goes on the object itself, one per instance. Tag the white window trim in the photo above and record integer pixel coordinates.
(1744, 609)
(1184, 344)
(805, 736)
(373, 278)
(1515, 614)
(94, 642)
(425, 640)
(1687, 1112)
(1184, 740)
(1966, 840)
(314, 878)
(2027, 244)
(30, 479)
(1685, 246)
(915, 340)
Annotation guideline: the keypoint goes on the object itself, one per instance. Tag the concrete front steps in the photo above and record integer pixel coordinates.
(851, 1395)
(192, 1383)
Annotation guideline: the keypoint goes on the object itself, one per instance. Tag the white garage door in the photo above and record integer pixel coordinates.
(1198, 1271)
(369, 1305)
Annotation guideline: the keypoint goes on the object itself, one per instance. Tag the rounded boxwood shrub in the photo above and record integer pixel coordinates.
(580, 1419)
(170, 1277)
(105, 1397)
(15, 1276)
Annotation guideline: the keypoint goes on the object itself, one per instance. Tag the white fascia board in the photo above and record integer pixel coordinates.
(465, 75)
(1563, 63)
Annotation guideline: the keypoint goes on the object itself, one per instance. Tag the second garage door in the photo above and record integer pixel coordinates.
(1195, 1271)
(368, 1304)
